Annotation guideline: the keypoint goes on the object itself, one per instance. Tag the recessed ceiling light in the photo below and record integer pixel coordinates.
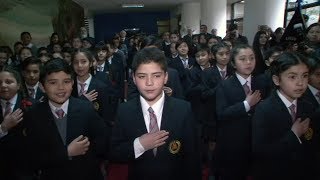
(132, 5)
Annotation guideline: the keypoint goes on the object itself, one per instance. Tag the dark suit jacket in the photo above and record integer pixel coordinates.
(103, 102)
(277, 152)
(177, 119)
(12, 159)
(47, 151)
(308, 96)
(233, 147)
(176, 63)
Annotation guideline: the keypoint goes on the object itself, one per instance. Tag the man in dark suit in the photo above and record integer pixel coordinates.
(66, 138)
(155, 133)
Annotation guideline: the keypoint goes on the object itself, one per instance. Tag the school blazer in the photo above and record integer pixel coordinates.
(308, 96)
(276, 149)
(102, 104)
(172, 160)
(13, 164)
(47, 152)
(233, 122)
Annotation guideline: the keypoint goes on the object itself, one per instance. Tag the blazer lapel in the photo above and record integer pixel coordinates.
(281, 107)
(141, 125)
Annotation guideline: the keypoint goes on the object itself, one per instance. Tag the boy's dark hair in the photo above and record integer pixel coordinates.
(314, 63)
(12, 71)
(203, 47)
(215, 48)
(17, 43)
(41, 49)
(54, 66)
(67, 50)
(271, 51)
(25, 48)
(180, 41)
(148, 55)
(3, 50)
(285, 61)
(25, 33)
(30, 60)
(151, 41)
(311, 26)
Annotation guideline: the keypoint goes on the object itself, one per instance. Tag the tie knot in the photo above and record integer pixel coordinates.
(82, 85)
(8, 103)
(292, 107)
(31, 89)
(60, 113)
(150, 110)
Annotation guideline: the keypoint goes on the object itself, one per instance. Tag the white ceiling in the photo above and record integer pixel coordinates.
(101, 6)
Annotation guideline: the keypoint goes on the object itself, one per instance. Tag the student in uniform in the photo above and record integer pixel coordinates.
(12, 108)
(282, 127)
(89, 88)
(236, 98)
(66, 137)
(31, 73)
(155, 133)
(312, 93)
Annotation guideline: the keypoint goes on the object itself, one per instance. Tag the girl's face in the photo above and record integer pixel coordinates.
(212, 42)
(203, 58)
(244, 62)
(293, 82)
(202, 39)
(222, 56)
(81, 64)
(183, 49)
(314, 79)
(263, 39)
(8, 85)
(25, 53)
(314, 34)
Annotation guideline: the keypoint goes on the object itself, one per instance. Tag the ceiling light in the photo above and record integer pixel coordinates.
(132, 5)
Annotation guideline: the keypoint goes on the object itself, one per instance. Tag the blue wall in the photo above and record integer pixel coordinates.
(106, 25)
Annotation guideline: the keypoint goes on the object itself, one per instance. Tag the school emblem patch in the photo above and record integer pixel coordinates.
(174, 146)
(96, 106)
(309, 134)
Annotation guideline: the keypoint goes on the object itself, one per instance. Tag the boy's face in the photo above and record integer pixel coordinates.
(58, 87)
(3, 58)
(31, 74)
(67, 57)
(183, 49)
(102, 55)
(26, 39)
(314, 79)
(222, 56)
(150, 79)
(8, 85)
(273, 57)
(57, 48)
(76, 43)
(245, 62)
(293, 82)
(203, 58)
(25, 53)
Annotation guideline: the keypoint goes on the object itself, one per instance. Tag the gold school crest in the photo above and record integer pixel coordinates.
(96, 106)
(174, 146)
(309, 134)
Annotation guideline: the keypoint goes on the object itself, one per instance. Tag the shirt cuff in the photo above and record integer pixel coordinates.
(298, 138)
(2, 134)
(246, 106)
(138, 148)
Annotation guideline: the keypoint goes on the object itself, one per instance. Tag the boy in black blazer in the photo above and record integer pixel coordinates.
(66, 137)
(155, 133)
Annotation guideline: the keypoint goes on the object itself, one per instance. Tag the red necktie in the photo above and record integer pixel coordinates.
(293, 112)
(153, 126)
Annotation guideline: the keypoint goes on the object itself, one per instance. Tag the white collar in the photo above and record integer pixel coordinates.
(12, 101)
(243, 80)
(285, 100)
(313, 90)
(64, 107)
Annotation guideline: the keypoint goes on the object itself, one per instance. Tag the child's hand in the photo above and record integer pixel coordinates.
(91, 96)
(78, 146)
(153, 140)
(12, 119)
(253, 98)
(167, 90)
(300, 127)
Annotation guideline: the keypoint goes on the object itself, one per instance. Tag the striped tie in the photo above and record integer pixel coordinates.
(82, 85)
(153, 126)
(246, 88)
(293, 112)
(8, 109)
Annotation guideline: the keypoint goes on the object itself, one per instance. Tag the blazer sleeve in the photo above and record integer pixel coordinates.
(225, 109)
(121, 145)
(263, 145)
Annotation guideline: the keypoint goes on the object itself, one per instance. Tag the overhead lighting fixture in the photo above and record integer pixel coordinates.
(242, 1)
(132, 5)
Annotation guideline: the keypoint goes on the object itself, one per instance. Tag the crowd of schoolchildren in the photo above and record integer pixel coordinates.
(169, 107)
